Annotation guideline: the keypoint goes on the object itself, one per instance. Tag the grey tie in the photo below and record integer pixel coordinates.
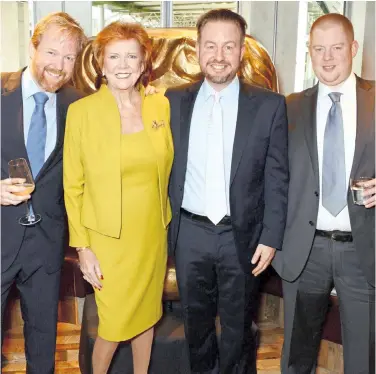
(334, 189)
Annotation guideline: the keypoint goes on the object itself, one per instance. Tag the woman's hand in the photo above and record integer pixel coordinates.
(90, 268)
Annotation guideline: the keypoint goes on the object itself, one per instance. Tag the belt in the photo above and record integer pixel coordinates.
(226, 220)
(339, 236)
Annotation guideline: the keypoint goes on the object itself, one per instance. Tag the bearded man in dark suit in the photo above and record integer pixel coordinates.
(33, 111)
(228, 192)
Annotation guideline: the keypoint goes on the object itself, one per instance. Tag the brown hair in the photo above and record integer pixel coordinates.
(226, 15)
(66, 24)
(119, 30)
(334, 18)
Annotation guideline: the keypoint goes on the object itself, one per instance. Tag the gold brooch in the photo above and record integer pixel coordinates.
(157, 125)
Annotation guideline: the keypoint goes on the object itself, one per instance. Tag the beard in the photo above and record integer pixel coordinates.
(45, 83)
(218, 79)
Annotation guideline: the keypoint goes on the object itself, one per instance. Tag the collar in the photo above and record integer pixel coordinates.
(348, 85)
(30, 87)
(229, 91)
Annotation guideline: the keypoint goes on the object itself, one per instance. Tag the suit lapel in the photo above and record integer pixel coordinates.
(186, 110)
(153, 133)
(109, 131)
(365, 115)
(13, 140)
(246, 113)
(308, 118)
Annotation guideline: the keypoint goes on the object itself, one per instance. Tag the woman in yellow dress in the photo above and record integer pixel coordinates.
(118, 153)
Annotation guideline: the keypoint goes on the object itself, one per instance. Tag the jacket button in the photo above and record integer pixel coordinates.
(311, 223)
(316, 193)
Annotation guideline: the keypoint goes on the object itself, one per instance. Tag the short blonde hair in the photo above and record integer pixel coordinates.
(65, 23)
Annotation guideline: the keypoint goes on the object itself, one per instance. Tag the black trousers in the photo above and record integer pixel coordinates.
(39, 292)
(211, 280)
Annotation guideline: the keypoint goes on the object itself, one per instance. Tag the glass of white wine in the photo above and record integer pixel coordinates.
(19, 168)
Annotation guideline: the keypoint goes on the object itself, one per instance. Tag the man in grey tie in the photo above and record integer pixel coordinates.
(34, 103)
(330, 241)
(228, 193)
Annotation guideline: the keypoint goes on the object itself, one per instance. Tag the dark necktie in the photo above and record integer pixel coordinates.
(334, 189)
(36, 139)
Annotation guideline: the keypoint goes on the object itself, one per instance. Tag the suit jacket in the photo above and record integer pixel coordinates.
(47, 199)
(92, 162)
(259, 169)
(304, 187)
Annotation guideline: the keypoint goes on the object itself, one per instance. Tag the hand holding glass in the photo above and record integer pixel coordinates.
(19, 168)
(357, 190)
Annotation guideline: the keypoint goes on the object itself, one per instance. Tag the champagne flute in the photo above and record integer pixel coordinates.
(19, 168)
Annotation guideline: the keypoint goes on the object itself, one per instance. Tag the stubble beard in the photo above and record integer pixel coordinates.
(219, 79)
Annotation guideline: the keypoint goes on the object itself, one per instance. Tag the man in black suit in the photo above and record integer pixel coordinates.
(330, 241)
(34, 106)
(228, 192)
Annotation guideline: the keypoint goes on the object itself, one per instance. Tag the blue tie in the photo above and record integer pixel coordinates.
(334, 189)
(36, 139)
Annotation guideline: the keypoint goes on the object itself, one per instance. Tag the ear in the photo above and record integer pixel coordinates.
(32, 50)
(198, 50)
(242, 50)
(354, 48)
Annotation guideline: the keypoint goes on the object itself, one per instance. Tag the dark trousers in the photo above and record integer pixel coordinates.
(211, 280)
(39, 294)
(331, 263)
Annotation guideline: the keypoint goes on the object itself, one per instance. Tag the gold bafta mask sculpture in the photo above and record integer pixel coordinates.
(175, 63)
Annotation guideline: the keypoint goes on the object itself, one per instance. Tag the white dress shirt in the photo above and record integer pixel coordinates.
(325, 221)
(194, 187)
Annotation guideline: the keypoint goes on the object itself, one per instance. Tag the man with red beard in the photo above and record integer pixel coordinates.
(228, 192)
(34, 106)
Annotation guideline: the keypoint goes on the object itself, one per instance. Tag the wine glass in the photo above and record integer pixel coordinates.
(19, 168)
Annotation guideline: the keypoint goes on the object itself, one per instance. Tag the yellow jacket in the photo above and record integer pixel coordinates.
(92, 171)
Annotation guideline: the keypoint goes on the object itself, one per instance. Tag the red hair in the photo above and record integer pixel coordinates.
(124, 31)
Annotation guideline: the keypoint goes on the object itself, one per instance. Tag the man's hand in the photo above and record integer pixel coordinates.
(8, 190)
(264, 256)
(150, 90)
(370, 191)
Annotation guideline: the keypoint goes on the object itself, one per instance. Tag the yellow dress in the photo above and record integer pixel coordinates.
(134, 265)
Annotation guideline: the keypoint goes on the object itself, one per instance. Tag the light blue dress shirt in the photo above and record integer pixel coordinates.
(29, 88)
(194, 188)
